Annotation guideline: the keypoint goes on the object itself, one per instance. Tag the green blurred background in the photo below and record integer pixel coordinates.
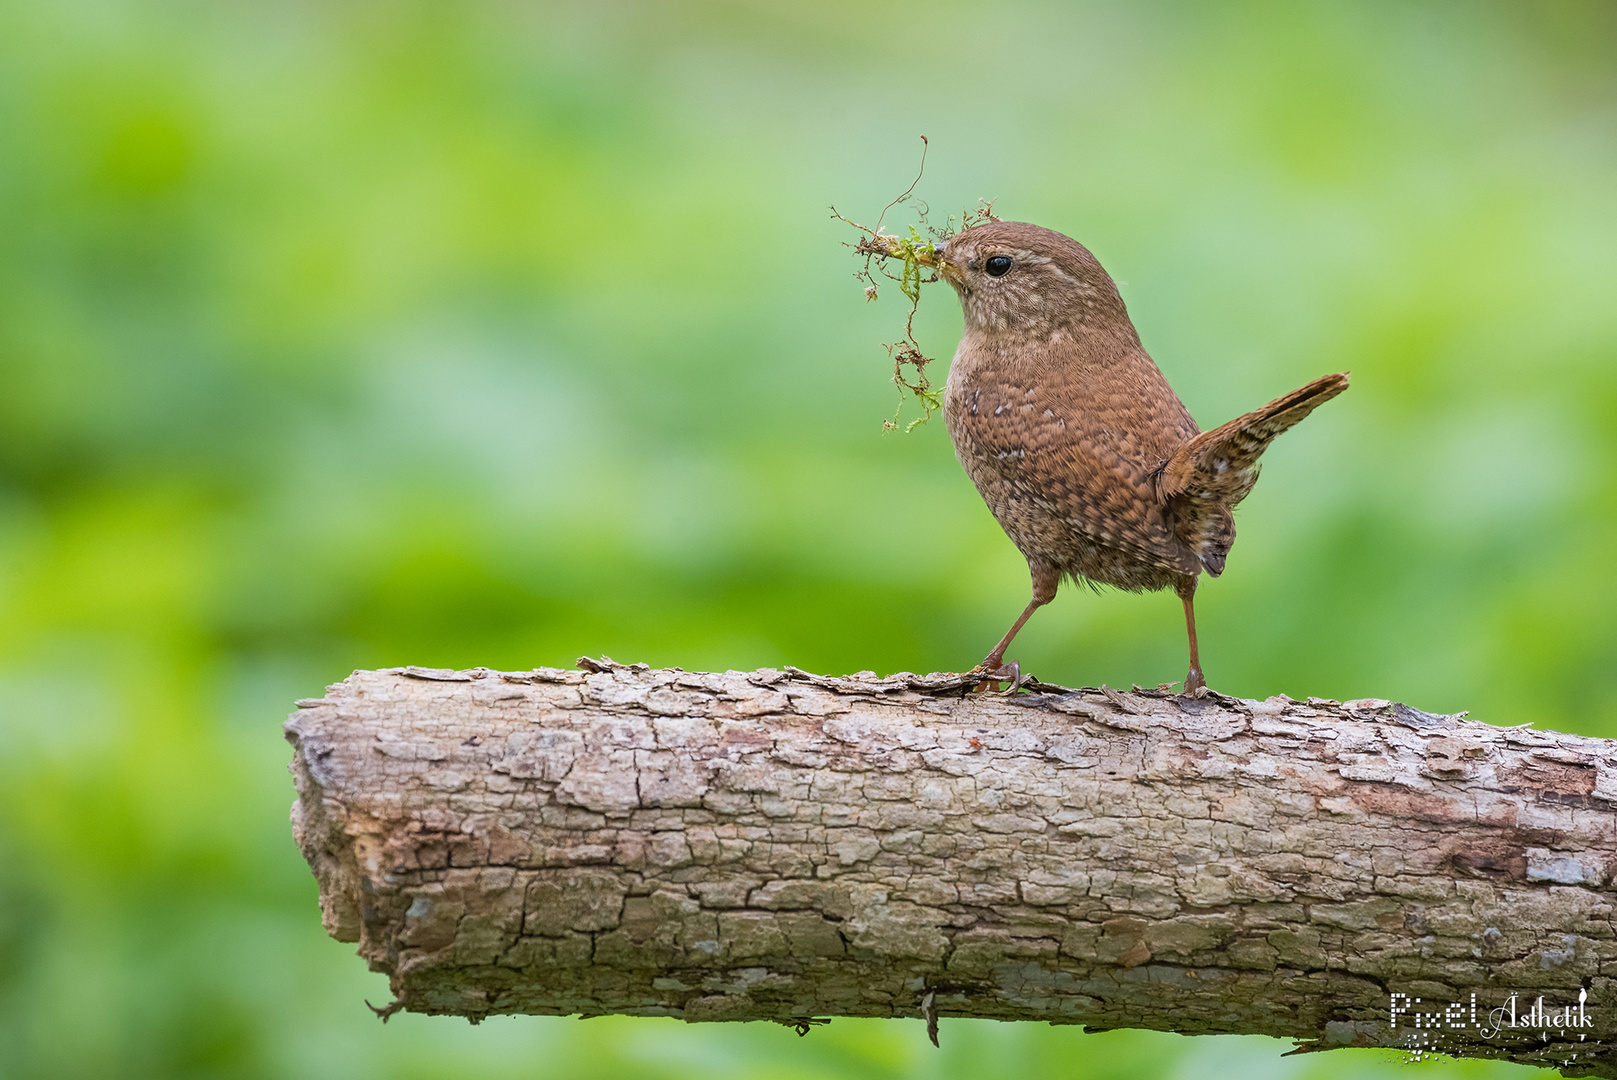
(340, 334)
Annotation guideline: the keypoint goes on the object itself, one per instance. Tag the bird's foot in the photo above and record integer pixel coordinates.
(1195, 684)
(992, 674)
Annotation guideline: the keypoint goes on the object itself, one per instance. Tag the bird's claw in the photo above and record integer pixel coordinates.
(1195, 684)
(993, 676)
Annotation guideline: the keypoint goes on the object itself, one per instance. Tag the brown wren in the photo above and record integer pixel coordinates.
(1086, 457)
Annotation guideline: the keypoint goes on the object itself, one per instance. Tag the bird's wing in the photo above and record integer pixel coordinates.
(1078, 461)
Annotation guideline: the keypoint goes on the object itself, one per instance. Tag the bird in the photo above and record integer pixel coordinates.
(1084, 454)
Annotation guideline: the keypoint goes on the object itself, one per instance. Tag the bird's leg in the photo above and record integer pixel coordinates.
(1045, 580)
(1186, 588)
(996, 659)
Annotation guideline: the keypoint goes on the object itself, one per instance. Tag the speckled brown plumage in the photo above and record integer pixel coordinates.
(1084, 454)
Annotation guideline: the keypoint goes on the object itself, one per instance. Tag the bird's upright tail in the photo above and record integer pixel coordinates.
(1215, 470)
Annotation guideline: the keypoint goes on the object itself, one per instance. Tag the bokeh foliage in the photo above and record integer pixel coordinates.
(351, 334)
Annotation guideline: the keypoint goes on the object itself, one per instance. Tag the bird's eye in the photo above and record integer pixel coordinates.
(997, 265)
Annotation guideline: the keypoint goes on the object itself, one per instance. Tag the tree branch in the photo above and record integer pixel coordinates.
(776, 845)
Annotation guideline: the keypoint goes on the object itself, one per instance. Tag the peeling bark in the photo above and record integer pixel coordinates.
(776, 845)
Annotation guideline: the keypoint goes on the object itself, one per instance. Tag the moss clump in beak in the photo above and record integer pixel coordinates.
(919, 258)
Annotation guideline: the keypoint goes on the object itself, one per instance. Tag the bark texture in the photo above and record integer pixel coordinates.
(776, 845)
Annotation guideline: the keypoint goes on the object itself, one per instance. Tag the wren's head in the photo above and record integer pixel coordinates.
(1026, 280)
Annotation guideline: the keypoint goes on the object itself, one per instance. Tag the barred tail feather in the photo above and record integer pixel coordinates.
(1220, 466)
(1216, 469)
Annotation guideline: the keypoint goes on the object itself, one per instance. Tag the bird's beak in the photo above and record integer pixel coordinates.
(930, 256)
